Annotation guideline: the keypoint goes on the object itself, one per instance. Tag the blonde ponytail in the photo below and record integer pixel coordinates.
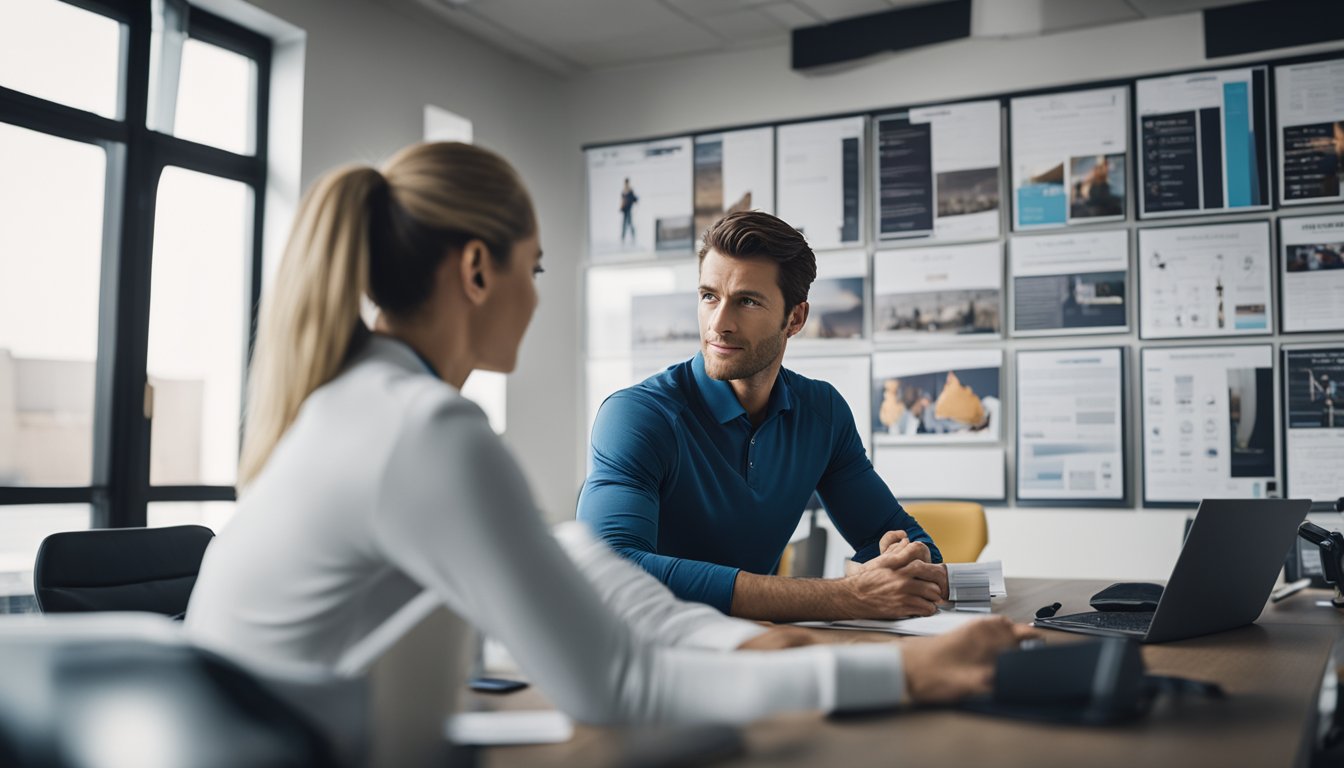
(311, 313)
(360, 232)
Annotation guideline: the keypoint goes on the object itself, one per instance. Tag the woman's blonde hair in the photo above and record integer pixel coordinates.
(361, 232)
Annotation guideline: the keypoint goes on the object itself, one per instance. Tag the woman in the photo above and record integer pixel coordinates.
(368, 478)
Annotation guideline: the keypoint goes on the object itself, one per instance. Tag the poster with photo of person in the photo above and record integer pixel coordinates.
(938, 172)
(639, 201)
(734, 171)
(1208, 423)
(950, 292)
(1310, 115)
(1070, 154)
(1072, 283)
(1203, 143)
(1311, 273)
(820, 172)
(937, 396)
(1313, 396)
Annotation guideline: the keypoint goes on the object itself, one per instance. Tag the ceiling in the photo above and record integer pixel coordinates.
(570, 37)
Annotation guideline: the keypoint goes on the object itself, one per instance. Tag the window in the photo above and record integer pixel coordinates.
(132, 176)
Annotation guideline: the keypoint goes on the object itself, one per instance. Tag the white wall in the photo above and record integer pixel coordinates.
(369, 71)
(758, 85)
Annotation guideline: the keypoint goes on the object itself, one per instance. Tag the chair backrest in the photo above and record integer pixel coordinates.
(120, 569)
(957, 527)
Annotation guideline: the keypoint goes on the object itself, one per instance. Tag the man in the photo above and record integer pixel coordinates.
(700, 474)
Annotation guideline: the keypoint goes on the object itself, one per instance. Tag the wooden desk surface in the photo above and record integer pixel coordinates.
(1271, 671)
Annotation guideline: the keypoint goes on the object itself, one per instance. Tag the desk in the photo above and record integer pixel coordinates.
(1271, 670)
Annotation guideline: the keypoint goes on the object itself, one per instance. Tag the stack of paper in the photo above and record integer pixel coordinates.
(939, 623)
(971, 585)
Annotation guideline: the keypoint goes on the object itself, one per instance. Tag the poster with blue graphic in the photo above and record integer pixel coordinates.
(1069, 158)
(1203, 143)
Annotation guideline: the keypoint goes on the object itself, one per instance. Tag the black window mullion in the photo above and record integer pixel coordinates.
(128, 438)
(170, 150)
(37, 114)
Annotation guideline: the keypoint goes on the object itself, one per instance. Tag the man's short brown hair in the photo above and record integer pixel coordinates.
(756, 235)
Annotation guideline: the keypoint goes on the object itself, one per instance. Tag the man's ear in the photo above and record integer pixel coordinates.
(797, 318)
(476, 277)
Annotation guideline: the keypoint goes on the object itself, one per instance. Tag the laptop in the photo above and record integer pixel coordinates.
(1222, 577)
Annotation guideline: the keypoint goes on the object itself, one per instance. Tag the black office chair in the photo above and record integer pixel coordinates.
(120, 569)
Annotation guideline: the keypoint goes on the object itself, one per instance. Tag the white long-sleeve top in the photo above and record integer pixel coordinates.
(390, 483)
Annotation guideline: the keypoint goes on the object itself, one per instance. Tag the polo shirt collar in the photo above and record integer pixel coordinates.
(722, 402)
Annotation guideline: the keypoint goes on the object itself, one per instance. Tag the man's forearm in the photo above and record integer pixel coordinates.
(779, 598)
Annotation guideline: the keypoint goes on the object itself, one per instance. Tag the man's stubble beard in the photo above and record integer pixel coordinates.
(754, 359)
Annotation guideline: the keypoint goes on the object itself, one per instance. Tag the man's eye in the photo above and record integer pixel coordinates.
(706, 297)
(750, 302)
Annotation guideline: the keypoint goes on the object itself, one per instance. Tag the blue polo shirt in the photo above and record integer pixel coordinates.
(682, 484)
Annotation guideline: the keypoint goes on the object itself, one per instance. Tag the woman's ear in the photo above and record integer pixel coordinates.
(476, 277)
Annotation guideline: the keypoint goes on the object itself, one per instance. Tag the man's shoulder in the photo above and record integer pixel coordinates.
(810, 392)
(660, 399)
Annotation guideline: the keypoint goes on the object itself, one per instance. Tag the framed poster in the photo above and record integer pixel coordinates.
(1070, 158)
(1071, 426)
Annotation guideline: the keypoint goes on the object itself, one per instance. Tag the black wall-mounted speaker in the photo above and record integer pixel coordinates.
(1271, 24)
(894, 30)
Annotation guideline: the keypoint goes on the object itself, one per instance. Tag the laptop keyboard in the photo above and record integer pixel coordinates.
(1125, 621)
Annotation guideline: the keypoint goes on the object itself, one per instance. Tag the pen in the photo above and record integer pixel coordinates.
(1289, 589)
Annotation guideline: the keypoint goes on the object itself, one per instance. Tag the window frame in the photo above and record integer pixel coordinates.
(119, 490)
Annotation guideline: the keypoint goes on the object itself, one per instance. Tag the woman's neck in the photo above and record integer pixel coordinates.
(448, 357)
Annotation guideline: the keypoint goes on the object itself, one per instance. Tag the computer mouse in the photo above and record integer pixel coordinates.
(1128, 596)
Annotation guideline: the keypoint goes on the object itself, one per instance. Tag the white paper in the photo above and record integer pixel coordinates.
(1174, 113)
(849, 376)
(1209, 426)
(937, 396)
(1069, 157)
(1070, 424)
(821, 180)
(938, 172)
(990, 572)
(1311, 131)
(659, 174)
(542, 726)
(938, 294)
(1070, 284)
(944, 472)
(1205, 281)
(940, 623)
(1314, 411)
(734, 171)
(1311, 273)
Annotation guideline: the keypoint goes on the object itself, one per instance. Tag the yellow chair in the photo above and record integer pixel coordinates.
(958, 528)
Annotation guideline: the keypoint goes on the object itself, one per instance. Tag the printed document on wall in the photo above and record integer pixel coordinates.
(1070, 283)
(821, 180)
(1311, 131)
(639, 201)
(951, 471)
(1208, 422)
(837, 303)
(1069, 157)
(938, 172)
(937, 396)
(1203, 143)
(1070, 425)
(734, 171)
(1313, 394)
(943, 293)
(1211, 280)
(1311, 273)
